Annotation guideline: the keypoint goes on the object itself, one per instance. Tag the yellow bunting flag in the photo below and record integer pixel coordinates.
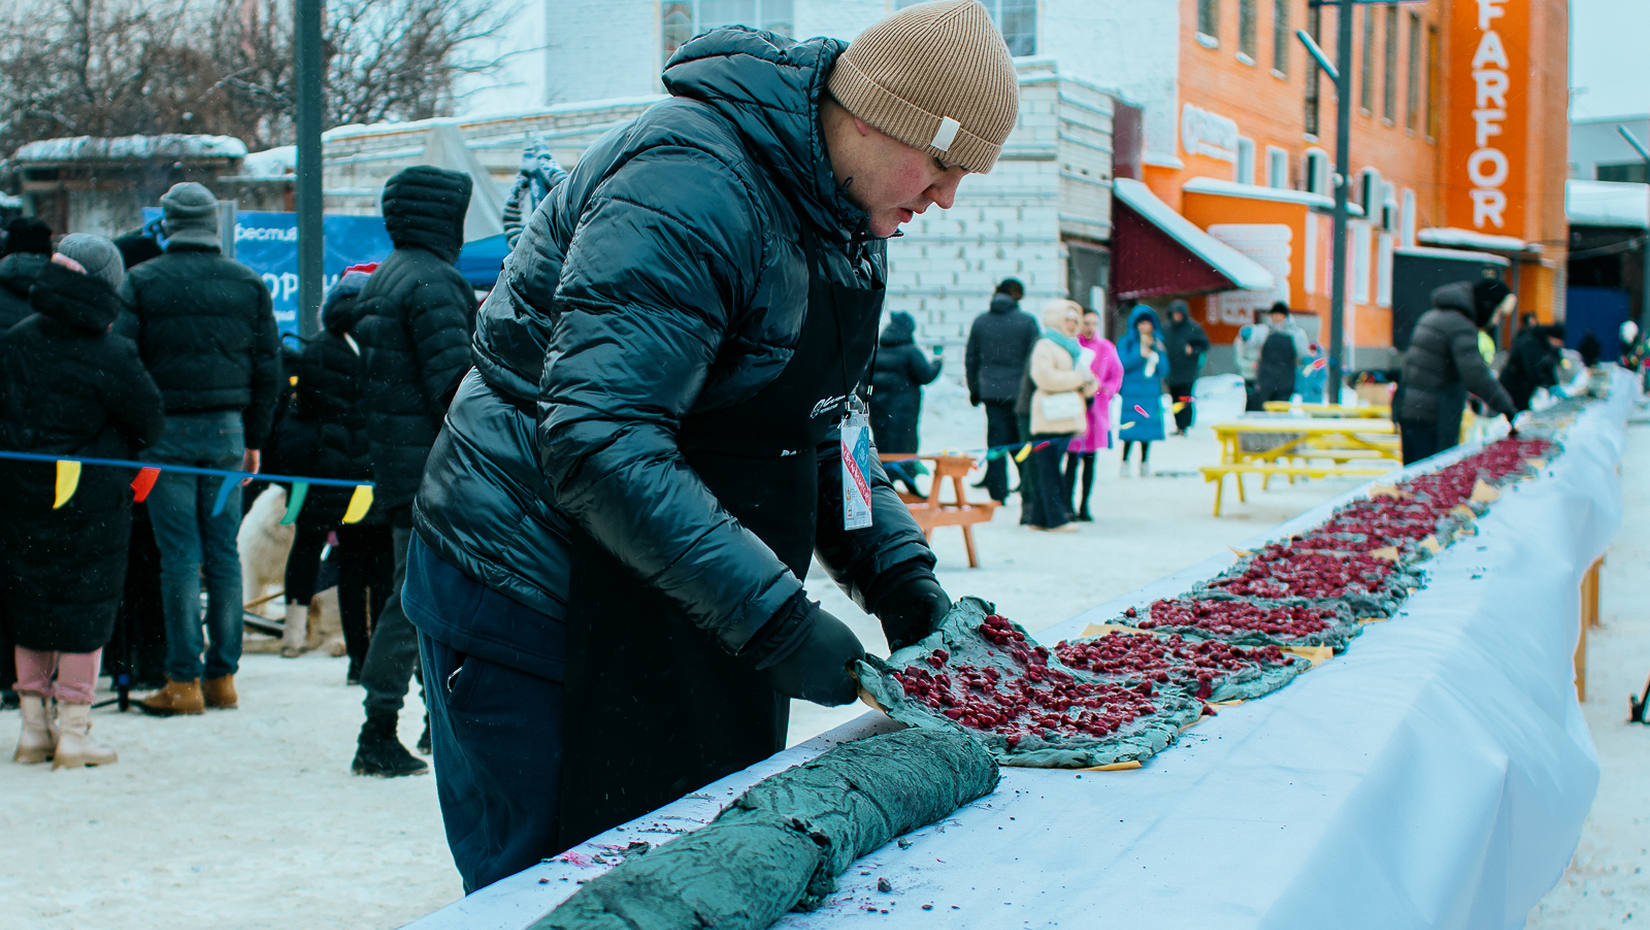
(1020, 456)
(359, 503)
(68, 478)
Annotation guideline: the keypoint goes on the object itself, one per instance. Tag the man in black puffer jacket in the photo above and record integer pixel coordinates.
(994, 365)
(28, 247)
(614, 526)
(898, 372)
(205, 328)
(416, 316)
(1533, 362)
(1443, 363)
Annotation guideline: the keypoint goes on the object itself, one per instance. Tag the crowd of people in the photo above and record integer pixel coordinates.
(170, 355)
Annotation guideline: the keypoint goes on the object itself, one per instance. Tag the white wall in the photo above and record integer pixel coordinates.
(1130, 45)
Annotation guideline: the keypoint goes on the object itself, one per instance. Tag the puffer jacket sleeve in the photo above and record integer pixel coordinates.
(1469, 363)
(440, 317)
(130, 394)
(666, 254)
(265, 388)
(857, 559)
(971, 363)
(918, 368)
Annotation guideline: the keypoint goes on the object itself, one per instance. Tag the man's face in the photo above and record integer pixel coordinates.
(888, 179)
(1091, 325)
(1555, 342)
(1278, 319)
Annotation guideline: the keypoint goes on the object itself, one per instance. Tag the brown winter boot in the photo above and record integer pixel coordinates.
(220, 692)
(178, 697)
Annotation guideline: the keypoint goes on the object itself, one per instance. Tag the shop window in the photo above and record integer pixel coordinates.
(1412, 92)
(1245, 161)
(1634, 172)
(1366, 64)
(1246, 29)
(1282, 41)
(1317, 172)
(681, 20)
(1277, 167)
(1314, 22)
(1015, 19)
(1208, 21)
(1389, 66)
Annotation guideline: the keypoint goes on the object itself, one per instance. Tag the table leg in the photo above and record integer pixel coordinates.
(968, 542)
(1238, 477)
(1220, 485)
(1581, 663)
(1589, 592)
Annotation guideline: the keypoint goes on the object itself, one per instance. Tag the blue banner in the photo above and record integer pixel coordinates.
(268, 244)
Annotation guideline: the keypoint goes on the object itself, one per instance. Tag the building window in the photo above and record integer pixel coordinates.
(1246, 161)
(1432, 82)
(1015, 19)
(1281, 39)
(1366, 64)
(1317, 172)
(681, 20)
(1314, 20)
(1412, 92)
(1277, 168)
(1246, 28)
(1208, 18)
(1389, 67)
(1632, 172)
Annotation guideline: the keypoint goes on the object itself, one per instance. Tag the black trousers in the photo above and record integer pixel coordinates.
(1048, 505)
(1074, 461)
(1000, 430)
(366, 569)
(1425, 438)
(392, 653)
(1180, 392)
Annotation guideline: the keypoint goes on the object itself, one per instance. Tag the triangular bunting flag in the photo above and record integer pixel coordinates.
(229, 484)
(144, 483)
(1020, 456)
(68, 478)
(295, 501)
(359, 503)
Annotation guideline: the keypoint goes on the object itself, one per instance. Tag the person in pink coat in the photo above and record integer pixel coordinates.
(1103, 361)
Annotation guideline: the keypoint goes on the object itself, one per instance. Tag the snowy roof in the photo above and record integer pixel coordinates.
(1243, 271)
(1607, 203)
(1452, 237)
(271, 163)
(580, 106)
(1453, 255)
(130, 148)
(1257, 192)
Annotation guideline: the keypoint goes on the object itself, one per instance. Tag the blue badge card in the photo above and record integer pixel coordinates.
(856, 464)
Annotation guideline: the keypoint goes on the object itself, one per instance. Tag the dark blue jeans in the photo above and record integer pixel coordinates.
(496, 731)
(192, 542)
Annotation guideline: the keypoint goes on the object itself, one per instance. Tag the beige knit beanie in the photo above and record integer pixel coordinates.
(936, 76)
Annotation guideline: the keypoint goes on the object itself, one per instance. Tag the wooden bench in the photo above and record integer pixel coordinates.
(933, 511)
(1218, 473)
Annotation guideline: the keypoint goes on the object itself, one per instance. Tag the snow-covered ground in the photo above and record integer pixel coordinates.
(250, 818)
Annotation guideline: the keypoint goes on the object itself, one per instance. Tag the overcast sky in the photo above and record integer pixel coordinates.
(1609, 58)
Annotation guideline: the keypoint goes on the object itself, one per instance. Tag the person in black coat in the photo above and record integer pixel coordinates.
(1443, 363)
(1280, 354)
(416, 314)
(898, 372)
(994, 365)
(1532, 362)
(1187, 344)
(325, 436)
(69, 387)
(28, 246)
(206, 330)
(615, 525)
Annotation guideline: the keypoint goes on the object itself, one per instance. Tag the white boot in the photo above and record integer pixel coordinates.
(36, 742)
(1123, 472)
(296, 631)
(1145, 470)
(75, 746)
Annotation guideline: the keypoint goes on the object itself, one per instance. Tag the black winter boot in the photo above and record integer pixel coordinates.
(424, 741)
(380, 753)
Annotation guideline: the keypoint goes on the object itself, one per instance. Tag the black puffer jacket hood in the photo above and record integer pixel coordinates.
(901, 329)
(424, 207)
(771, 94)
(74, 299)
(1456, 296)
(1002, 303)
(17, 273)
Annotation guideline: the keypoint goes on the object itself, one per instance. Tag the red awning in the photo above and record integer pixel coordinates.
(1156, 252)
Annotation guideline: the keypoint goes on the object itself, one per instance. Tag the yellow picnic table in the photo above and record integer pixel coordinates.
(1373, 411)
(1297, 446)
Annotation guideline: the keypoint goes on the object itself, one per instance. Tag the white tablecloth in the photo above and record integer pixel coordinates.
(1435, 775)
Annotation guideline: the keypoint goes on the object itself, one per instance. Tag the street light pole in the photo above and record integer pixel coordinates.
(1644, 250)
(1341, 74)
(307, 26)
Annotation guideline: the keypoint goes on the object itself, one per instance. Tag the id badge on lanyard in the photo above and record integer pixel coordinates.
(856, 464)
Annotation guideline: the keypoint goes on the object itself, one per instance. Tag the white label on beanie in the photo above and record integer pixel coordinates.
(946, 134)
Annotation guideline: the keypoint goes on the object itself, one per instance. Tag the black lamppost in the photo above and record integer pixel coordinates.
(307, 26)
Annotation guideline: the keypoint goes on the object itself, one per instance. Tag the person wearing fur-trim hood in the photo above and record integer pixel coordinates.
(1145, 365)
(1059, 411)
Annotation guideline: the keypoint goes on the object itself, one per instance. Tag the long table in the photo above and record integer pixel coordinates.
(1435, 775)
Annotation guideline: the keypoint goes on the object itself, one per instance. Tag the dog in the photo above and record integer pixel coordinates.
(265, 544)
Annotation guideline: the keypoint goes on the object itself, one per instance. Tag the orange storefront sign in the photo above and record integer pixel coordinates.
(1489, 90)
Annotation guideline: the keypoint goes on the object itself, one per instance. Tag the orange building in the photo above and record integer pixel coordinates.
(1458, 142)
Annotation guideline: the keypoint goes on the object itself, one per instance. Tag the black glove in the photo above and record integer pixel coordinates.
(805, 653)
(912, 610)
(973, 400)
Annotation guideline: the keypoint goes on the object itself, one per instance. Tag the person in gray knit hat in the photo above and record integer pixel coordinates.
(97, 256)
(614, 525)
(206, 331)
